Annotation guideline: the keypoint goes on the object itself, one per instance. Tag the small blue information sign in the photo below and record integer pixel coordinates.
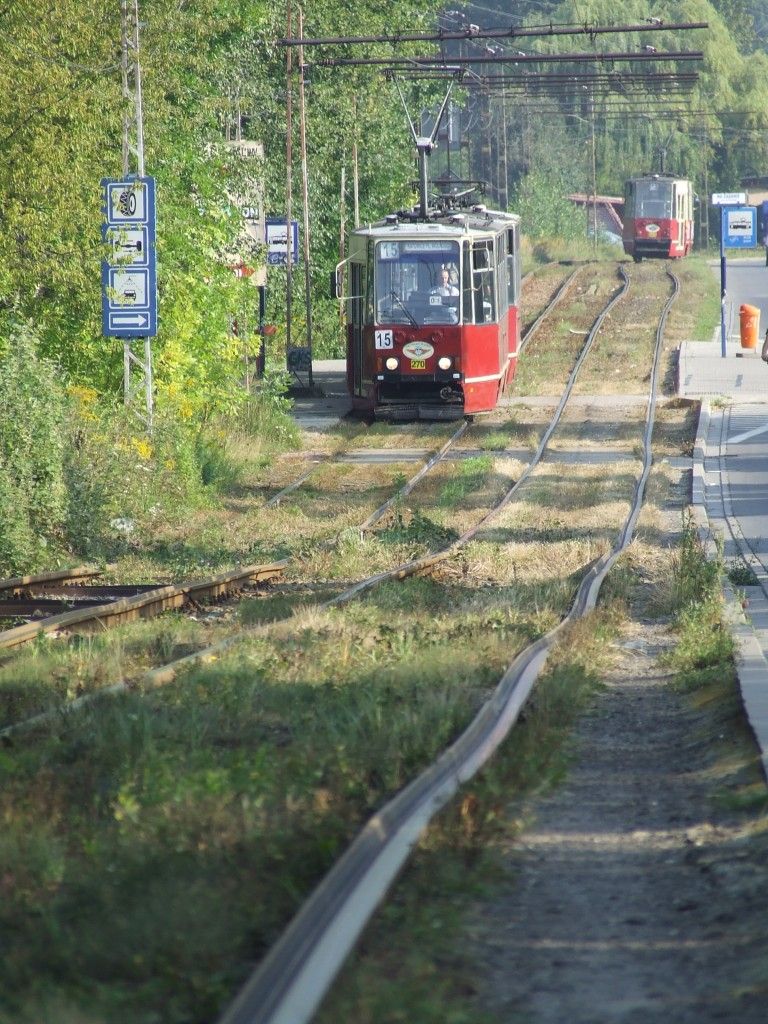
(128, 270)
(277, 242)
(739, 227)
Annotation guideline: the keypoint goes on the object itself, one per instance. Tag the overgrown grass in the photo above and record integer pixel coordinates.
(468, 477)
(704, 651)
(696, 313)
(409, 965)
(222, 800)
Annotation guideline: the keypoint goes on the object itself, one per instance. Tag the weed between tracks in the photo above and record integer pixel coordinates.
(417, 953)
(225, 797)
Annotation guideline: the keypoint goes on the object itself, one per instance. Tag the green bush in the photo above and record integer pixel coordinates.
(121, 481)
(33, 498)
(267, 414)
(80, 475)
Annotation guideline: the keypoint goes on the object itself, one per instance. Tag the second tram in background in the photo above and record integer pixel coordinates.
(433, 326)
(658, 217)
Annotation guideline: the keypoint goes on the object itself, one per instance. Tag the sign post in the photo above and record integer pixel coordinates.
(738, 230)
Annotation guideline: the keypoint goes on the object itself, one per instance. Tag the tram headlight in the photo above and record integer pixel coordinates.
(445, 362)
(392, 363)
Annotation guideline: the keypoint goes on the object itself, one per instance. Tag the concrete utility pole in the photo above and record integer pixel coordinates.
(137, 371)
(288, 187)
(305, 200)
(594, 171)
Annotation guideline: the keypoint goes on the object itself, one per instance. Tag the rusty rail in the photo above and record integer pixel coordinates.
(150, 602)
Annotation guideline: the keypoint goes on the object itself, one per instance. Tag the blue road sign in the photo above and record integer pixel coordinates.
(276, 237)
(128, 270)
(739, 227)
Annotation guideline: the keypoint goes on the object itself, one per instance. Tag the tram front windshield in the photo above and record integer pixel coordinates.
(417, 282)
(653, 199)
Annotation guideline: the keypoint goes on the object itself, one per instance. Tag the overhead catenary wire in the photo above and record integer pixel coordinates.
(549, 58)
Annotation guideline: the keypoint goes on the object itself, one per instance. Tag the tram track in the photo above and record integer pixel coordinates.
(144, 600)
(154, 601)
(345, 454)
(384, 825)
(294, 977)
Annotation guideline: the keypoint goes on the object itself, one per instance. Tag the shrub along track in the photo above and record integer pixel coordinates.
(136, 807)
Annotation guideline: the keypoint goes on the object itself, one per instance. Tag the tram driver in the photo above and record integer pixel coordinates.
(446, 287)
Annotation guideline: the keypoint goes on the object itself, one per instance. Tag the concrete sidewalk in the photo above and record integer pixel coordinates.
(330, 403)
(703, 372)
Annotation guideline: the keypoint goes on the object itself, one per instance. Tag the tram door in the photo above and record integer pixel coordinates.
(356, 322)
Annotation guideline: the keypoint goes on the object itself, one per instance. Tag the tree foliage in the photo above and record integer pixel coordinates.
(211, 71)
(214, 70)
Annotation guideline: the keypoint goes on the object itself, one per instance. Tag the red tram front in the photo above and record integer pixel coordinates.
(433, 325)
(658, 217)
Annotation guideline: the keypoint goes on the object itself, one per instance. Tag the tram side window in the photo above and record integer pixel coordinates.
(502, 292)
(629, 204)
(512, 283)
(483, 306)
(356, 295)
(367, 284)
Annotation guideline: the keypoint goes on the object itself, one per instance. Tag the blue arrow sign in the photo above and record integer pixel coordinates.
(128, 270)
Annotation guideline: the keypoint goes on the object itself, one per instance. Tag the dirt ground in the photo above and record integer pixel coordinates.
(635, 896)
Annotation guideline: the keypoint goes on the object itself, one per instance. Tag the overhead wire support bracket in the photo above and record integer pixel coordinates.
(513, 32)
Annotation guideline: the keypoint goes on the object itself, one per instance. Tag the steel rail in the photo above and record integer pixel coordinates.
(408, 486)
(425, 562)
(59, 576)
(294, 486)
(151, 602)
(553, 302)
(405, 489)
(297, 972)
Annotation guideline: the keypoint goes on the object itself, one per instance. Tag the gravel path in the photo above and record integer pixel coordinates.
(634, 898)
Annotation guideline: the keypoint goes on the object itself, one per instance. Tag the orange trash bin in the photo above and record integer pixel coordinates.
(749, 325)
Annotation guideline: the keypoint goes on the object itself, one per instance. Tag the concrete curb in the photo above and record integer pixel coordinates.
(751, 665)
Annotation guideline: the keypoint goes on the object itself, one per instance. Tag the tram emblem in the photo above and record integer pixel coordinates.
(418, 350)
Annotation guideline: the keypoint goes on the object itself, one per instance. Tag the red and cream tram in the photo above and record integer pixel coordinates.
(658, 217)
(433, 324)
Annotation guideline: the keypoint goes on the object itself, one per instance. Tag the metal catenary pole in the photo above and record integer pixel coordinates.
(137, 369)
(305, 198)
(288, 186)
